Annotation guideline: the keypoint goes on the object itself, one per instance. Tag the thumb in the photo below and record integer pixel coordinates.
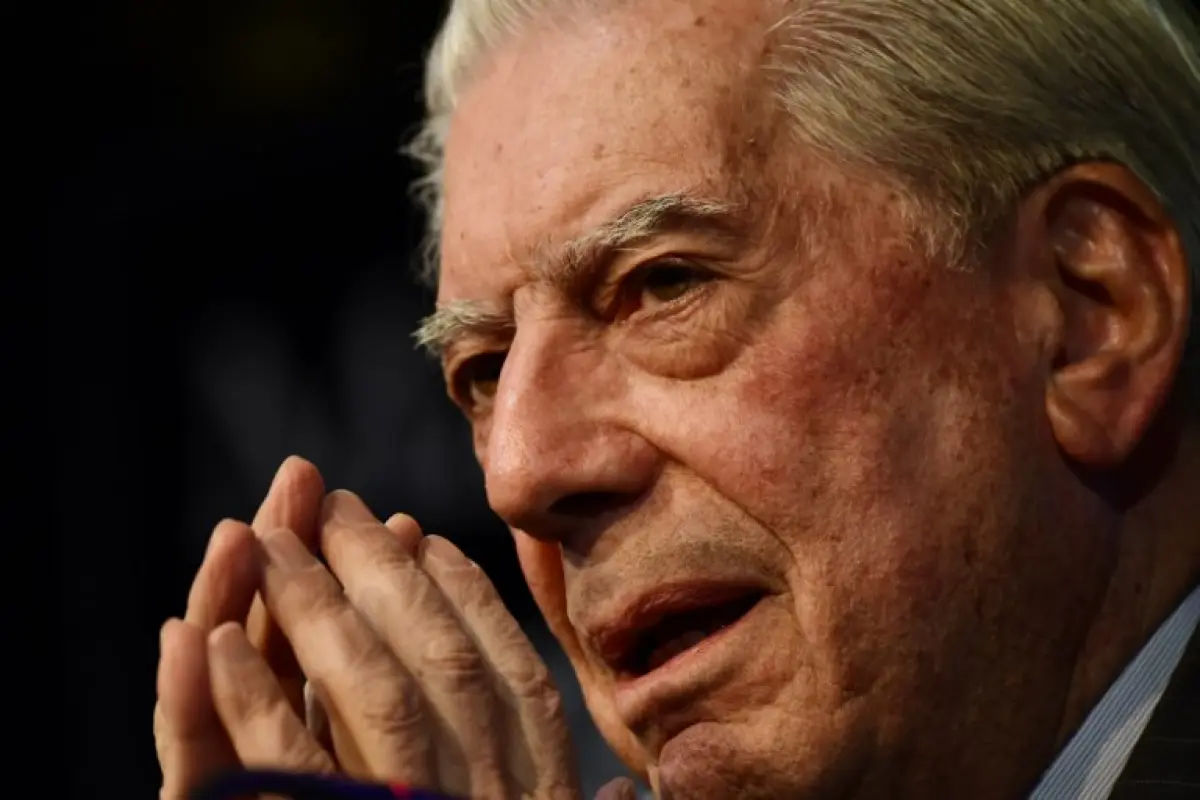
(618, 789)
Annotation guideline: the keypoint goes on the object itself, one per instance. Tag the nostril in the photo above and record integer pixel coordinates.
(588, 504)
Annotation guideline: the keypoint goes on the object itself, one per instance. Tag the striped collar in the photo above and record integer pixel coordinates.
(1088, 767)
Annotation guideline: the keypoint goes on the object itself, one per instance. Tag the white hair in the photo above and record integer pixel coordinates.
(965, 103)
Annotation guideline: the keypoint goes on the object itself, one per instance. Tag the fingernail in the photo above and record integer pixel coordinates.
(230, 642)
(346, 506)
(443, 552)
(285, 551)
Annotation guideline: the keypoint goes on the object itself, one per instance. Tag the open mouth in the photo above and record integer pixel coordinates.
(664, 633)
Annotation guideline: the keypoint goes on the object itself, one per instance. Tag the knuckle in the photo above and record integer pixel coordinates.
(388, 557)
(549, 703)
(387, 567)
(385, 578)
(390, 710)
(531, 681)
(363, 655)
(452, 657)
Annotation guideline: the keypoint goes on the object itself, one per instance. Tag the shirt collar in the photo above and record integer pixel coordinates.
(1088, 767)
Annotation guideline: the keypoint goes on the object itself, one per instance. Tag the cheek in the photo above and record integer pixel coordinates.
(861, 393)
(863, 437)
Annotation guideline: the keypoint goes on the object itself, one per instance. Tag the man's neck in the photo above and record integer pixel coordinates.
(1157, 563)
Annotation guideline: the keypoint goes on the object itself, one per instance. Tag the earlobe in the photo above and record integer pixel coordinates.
(1122, 288)
(1078, 430)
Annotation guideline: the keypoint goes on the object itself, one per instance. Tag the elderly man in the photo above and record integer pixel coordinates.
(830, 362)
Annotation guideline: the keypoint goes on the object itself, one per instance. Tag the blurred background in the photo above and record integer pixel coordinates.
(231, 247)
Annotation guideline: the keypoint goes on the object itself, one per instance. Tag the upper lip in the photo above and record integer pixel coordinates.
(616, 639)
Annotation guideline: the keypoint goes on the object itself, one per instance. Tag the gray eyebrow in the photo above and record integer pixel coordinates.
(643, 220)
(459, 319)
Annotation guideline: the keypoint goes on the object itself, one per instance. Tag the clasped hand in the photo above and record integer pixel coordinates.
(398, 662)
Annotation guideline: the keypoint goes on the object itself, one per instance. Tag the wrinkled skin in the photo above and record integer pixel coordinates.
(875, 436)
(395, 660)
(965, 491)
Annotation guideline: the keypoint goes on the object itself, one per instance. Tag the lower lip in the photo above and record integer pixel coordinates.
(682, 673)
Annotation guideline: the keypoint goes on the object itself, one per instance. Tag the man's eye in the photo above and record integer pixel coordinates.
(478, 378)
(659, 284)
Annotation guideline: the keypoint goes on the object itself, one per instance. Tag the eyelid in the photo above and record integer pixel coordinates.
(462, 352)
(665, 260)
(452, 372)
(456, 368)
(451, 367)
(607, 289)
(699, 267)
(668, 262)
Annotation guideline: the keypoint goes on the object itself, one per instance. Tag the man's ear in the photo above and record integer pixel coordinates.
(1122, 288)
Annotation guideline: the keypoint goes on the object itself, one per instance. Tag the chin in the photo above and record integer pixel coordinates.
(714, 761)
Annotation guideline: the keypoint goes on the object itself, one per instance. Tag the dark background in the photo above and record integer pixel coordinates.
(231, 246)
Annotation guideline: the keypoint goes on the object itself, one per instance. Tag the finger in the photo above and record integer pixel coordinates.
(262, 725)
(383, 580)
(292, 502)
(525, 682)
(332, 732)
(618, 789)
(221, 591)
(360, 682)
(188, 735)
(405, 528)
(227, 579)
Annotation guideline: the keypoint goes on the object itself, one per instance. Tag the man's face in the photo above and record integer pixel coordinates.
(757, 400)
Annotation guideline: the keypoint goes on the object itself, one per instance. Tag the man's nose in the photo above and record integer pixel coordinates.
(561, 449)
